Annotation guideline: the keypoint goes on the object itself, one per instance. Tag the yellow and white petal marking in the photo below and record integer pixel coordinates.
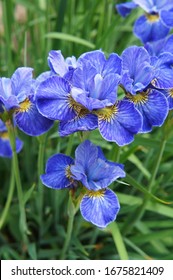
(77, 107)
(107, 113)
(152, 18)
(98, 194)
(24, 106)
(171, 92)
(4, 135)
(141, 97)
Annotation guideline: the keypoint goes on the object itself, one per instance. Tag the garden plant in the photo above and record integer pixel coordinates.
(86, 129)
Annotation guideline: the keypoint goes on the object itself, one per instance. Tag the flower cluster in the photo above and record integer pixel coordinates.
(83, 94)
(120, 95)
(93, 173)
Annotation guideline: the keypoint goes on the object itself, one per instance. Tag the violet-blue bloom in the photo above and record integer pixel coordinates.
(5, 147)
(100, 204)
(17, 94)
(90, 168)
(138, 80)
(156, 22)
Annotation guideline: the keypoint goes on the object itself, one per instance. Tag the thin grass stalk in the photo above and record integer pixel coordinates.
(134, 217)
(22, 222)
(118, 240)
(9, 199)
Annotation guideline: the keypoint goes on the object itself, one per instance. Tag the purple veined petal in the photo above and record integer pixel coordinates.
(158, 47)
(5, 147)
(101, 92)
(113, 65)
(125, 9)
(29, 120)
(57, 63)
(120, 166)
(99, 175)
(52, 99)
(148, 6)
(100, 208)
(95, 58)
(56, 175)
(42, 77)
(87, 101)
(148, 31)
(136, 76)
(167, 18)
(86, 153)
(94, 172)
(164, 4)
(163, 66)
(84, 123)
(121, 123)
(10, 103)
(5, 88)
(154, 110)
(106, 89)
(21, 82)
(169, 95)
(83, 75)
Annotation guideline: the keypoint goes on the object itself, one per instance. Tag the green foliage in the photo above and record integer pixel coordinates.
(144, 226)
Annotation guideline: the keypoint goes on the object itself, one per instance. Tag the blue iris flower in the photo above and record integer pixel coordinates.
(156, 22)
(90, 168)
(5, 147)
(143, 81)
(17, 95)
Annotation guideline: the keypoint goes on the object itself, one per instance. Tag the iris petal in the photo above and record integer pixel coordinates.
(124, 9)
(122, 125)
(52, 98)
(148, 31)
(101, 209)
(56, 176)
(30, 121)
(5, 147)
(83, 123)
(154, 111)
(21, 82)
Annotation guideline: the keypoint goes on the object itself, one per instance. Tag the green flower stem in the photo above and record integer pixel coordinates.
(69, 145)
(71, 214)
(22, 221)
(118, 240)
(9, 199)
(134, 217)
(40, 163)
